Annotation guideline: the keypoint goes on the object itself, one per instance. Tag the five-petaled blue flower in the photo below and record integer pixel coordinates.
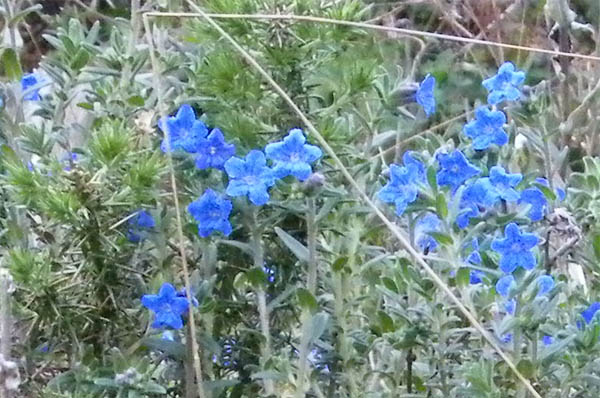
(184, 130)
(588, 314)
(455, 169)
(505, 85)
(250, 176)
(293, 156)
(167, 306)
(486, 129)
(214, 151)
(402, 187)
(478, 194)
(515, 249)
(27, 82)
(536, 198)
(424, 95)
(504, 285)
(505, 183)
(211, 212)
(139, 226)
(545, 283)
(424, 227)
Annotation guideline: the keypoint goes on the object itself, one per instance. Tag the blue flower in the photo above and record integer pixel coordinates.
(515, 249)
(139, 225)
(504, 285)
(250, 176)
(424, 95)
(416, 167)
(475, 277)
(293, 156)
(424, 226)
(547, 340)
(486, 129)
(505, 183)
(211, 212)
(167, 306)
(184, 130)
(478, 194)
(28, 81)
(588, 314)
(455, 169)
(505, 85)
(545, 284)
(536, 198)
(214, 151)
(401, 189)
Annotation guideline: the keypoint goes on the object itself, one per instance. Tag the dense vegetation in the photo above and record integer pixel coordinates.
(141, 154)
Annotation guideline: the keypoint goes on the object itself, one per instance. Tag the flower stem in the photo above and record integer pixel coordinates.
(261, 298)
(311, 232)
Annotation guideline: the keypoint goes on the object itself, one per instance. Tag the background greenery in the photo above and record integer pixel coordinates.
(380, 327)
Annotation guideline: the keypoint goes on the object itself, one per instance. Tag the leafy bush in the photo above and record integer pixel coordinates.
(167, 214)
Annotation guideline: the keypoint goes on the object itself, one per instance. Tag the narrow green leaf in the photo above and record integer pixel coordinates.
(432, 178)
(299, 250)
(441, 205)
(463, 275)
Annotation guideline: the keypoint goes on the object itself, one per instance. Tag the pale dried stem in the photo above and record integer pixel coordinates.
(186, 276)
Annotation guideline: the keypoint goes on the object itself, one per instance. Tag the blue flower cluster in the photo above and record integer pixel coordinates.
(249, 176)
(477, 192)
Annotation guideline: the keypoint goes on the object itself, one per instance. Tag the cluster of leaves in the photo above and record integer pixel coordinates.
(88, 219)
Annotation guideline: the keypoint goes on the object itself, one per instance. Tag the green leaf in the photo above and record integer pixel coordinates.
(463, 276)
(256, 277)
(386, 322)
(441, 238)
(307, 300)
(441, 206)
(338, 265)
(390, 284)
(86, 105)
(525, 366)
(318, 325)
(546, 191)
(136, 100)
(11, 65)
(299, 250)
(81, 59)
(432, 178)
(596, 244)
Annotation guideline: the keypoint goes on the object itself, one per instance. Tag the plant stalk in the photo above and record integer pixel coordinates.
(261, 298)
(311, 232)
